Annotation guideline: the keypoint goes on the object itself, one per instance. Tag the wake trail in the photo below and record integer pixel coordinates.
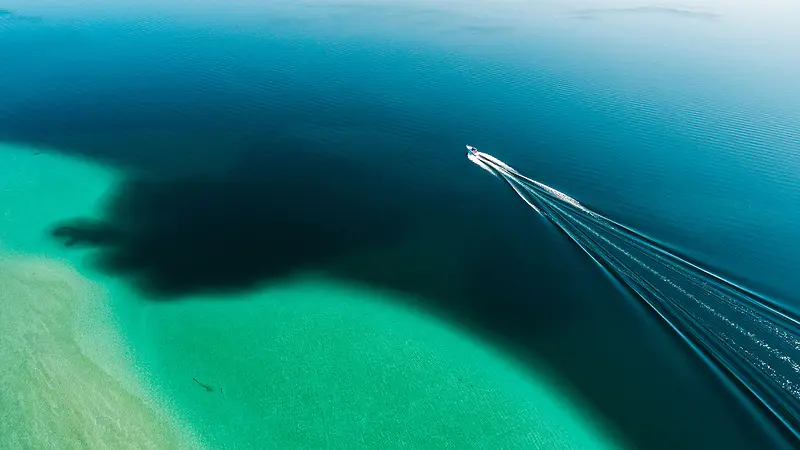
(749, 336)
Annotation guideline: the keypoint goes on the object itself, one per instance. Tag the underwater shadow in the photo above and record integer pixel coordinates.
(266, 218)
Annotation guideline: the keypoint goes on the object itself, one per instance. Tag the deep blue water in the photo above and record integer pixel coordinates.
(262, 140)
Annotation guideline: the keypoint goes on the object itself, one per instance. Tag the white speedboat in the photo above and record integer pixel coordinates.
(475, 156)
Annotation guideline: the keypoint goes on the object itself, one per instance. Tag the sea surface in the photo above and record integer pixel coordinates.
(245, 224)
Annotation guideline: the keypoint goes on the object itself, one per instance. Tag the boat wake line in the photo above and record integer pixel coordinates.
(740, 333)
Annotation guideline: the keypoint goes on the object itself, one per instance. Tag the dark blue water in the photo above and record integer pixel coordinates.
(259, 141)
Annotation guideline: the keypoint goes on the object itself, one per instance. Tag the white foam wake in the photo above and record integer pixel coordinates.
(743, 334)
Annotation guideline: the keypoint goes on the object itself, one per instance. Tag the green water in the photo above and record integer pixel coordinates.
(310, 362)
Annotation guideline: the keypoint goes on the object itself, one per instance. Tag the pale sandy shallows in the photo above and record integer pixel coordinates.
(55, 392)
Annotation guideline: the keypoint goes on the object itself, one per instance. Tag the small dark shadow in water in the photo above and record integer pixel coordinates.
(659, 10)
(87, 233)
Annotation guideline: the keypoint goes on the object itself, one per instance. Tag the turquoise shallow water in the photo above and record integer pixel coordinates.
(232, 151)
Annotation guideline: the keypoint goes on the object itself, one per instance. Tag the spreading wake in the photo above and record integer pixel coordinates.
(739, 332)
